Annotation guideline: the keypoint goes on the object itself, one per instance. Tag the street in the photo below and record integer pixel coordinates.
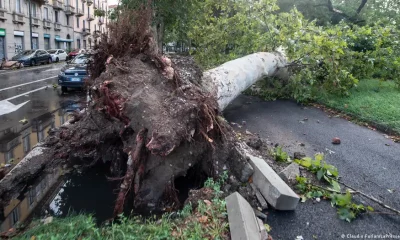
(366, 160)
(29, 94)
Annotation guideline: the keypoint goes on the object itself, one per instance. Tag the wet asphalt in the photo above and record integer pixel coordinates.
(35, 86)
(366, 160)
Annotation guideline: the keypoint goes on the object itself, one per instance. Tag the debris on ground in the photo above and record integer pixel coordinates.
(336, 140)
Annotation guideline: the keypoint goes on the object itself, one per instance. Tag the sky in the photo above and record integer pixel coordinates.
(112, 2)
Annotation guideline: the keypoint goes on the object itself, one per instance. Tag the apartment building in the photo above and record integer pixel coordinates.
(65, 24)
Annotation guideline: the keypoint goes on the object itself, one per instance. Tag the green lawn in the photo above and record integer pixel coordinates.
(372, 101)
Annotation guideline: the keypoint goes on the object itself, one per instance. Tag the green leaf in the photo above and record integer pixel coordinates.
(346, 214)
(335, 186)
(371, 209)
(320, 174)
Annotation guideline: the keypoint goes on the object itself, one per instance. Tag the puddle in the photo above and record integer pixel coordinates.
(16, 141)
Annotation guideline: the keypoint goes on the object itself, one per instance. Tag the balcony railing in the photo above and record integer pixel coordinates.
(46, 23)
(57, 26)
(18, 18)
(79, 12)
(90, 17)
(101, 21)
(69, 10)
(35, 22)
(85, 31)
(58, 5)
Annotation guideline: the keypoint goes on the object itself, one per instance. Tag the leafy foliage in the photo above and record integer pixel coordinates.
(347, 209)
(280, 155)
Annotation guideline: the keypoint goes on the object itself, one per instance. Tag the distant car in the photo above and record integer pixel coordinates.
(33, 57)
(74, 53)
(58, 55)
(73, 74)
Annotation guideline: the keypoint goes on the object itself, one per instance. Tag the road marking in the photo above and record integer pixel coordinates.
(23, 70)
(40, 80)
(26, 93)
(7, 107)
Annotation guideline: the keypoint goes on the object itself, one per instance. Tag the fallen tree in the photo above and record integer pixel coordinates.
(151, 118)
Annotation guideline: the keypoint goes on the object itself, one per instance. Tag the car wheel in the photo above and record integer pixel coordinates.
(57, 59)
(33, 62)
(49, 60)
(64, 89)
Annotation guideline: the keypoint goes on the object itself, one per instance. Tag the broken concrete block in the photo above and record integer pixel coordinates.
(243, 223)
(290, 172)
(272, 187)
(260, 198)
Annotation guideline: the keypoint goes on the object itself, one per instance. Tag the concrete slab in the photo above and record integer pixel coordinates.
(277, 193)
(290, 172)
(243, 224)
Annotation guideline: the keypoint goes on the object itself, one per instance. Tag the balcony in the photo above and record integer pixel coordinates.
(35, 22)
(96, 33)
(46, 23)
(79, 12)
(69, 10)
(57, 26)
(18, 18)
(57, 5)
(83, 1)
(101, 21)
(89, 2)
(3, 14)
(85, 31)
(90, 17)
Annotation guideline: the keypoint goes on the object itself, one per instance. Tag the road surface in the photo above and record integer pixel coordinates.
(366, 160)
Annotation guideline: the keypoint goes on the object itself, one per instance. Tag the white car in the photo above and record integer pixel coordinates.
(58, 55)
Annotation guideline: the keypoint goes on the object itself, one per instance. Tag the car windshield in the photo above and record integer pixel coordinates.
(52, 51)
(26, 52)
(80, 59)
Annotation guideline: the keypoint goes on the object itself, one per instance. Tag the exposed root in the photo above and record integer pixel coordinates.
(132, 166)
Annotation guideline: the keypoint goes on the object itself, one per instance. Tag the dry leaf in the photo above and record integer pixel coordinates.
(207, 202)
(203, 219)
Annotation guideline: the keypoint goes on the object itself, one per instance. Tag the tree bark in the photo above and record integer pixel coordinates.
(227, 81)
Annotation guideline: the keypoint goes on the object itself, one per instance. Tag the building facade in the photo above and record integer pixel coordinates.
(65, 24)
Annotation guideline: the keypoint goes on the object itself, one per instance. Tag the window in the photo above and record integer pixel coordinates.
(56, 16)
(9, 156)
(18, 6)
(78, 42)
(67, 18)
(15, 216)
(33, 10)
(40, 133)
(83, 7)
(46, 13)
(1, 4)
(84, 24)
(26, 143)
(61, 51)
(31, 196)
(77, 22)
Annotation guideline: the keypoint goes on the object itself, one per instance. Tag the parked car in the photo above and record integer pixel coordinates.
(58, 55)
(74, 53)
(74, 74)
(33, 57)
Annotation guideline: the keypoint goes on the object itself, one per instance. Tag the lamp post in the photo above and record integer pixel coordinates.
(30, 22)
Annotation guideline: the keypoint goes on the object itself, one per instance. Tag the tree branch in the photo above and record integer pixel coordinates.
(362, 5)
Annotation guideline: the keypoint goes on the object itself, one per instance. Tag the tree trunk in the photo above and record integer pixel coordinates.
(227, 81)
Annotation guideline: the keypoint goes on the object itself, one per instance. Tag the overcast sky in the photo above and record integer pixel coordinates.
(112, 2)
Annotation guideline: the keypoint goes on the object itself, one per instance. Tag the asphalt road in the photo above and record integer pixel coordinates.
(29, 93)
(366, 160)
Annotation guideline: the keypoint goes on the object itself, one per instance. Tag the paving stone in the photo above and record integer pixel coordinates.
(277, 193)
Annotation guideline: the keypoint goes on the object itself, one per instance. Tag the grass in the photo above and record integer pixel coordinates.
(372, 101)
(207, 221)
